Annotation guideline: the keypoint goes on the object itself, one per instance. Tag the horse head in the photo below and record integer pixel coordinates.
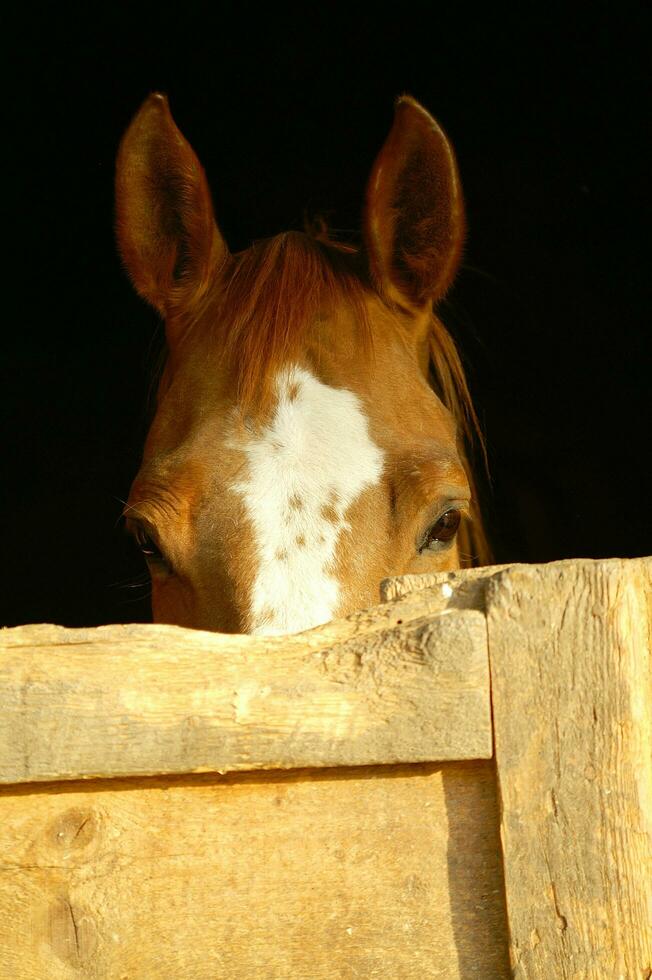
(308, 439)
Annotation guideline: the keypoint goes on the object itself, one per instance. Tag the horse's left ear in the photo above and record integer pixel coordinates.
(414, 216)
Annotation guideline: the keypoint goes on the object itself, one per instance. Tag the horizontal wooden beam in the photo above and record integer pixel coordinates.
(399, 683)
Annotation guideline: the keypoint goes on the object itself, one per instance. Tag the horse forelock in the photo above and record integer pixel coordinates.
(270, 296)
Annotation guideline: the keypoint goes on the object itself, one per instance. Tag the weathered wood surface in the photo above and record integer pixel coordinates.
(322, 875)
(392, 684)
(468, 583)
(572, 699)
(337, 873)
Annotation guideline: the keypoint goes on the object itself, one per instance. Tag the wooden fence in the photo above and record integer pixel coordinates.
(456, 783)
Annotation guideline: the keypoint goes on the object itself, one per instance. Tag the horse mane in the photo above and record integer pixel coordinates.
(278, 285)
(448, 380)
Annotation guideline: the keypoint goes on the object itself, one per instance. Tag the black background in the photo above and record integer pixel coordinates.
(287, 106)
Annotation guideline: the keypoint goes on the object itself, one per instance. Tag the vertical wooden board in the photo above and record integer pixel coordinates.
(387, 872)
(572, 699)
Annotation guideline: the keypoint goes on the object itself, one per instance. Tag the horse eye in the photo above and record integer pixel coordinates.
(149, 547)
(443, 531)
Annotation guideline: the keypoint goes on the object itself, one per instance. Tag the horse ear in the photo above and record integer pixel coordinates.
(166, 231)
(414, 216)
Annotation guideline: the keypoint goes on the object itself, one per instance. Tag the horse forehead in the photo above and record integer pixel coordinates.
(316, 440)
(310, 462)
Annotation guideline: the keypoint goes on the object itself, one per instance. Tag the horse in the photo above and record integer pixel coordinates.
(312, 416)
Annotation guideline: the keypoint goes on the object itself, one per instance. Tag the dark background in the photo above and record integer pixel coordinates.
(287, 107)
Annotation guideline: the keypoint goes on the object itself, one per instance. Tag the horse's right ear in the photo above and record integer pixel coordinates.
(166, 231)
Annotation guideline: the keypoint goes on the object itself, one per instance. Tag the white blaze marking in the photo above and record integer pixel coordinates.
(311, 463)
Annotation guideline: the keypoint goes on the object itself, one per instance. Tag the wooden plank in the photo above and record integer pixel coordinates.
(386, 873)
(572, 694)
(158, 699)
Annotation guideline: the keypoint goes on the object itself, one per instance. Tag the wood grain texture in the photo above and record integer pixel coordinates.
(323, 875)
(467, 581)
(139, 700)
(572, 695)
